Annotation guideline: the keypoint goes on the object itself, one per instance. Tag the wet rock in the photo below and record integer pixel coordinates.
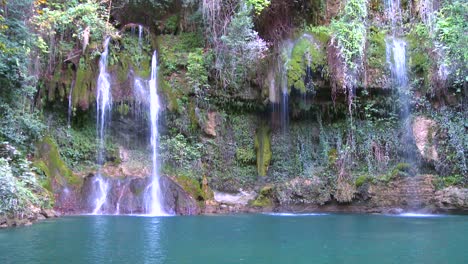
(177, 199)
(49, 213)
(127, 196)
(405, 192)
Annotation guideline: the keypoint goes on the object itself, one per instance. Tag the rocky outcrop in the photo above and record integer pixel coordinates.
(424, 135)
(452, 198)
(210, 125)
(36, 214)
(303, 191)
(126, 196)
(403, 192)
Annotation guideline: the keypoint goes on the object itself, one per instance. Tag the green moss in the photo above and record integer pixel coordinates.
(171, 95)
(263, 148)
(174, 50)
(43, 169)
(320, 33)
(361, 180)
(376, 52)
(304, 54)
(53, 166)
(419, 48)
(264, 199)
(123, 109)
(194, 188)
(400, 170)
(85, 80)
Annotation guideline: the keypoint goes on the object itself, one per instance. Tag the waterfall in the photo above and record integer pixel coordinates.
(103, 106)
(140, 35)
(154, 197)
(393, 11)
(70, 103)
(284, 89)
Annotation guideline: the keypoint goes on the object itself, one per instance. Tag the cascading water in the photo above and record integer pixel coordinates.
(283, 69)
(103, 106)
(153, 197)
(396, 59)
(70, 103)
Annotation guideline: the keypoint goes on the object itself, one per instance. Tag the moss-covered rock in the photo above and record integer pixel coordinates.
(52, 165)
(264, 198)
(263, 148)
(308, 56)
(199, 191)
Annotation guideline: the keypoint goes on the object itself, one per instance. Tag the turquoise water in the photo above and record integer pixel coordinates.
(239, 239)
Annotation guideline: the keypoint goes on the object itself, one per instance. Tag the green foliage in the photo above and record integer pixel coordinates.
(131, 53)
(19, 121)
(363, 179)
(349, 32)
(83, 19)
(451, 23)
(419, 48)
(197, 74)
(259, 5)
(175, 49)
(19, 126)
(246, 156)
(172, 23)
(240, 51)
(452, 180)
(180, 153)
(20, 191)
(320, 33)
(376, 50)
(452, 143)
(263, 148)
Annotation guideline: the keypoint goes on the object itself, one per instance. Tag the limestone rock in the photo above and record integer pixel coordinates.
(406, 192)
(303, 191)
(452, 198)
(424, 134)
(210, 125)
(240, 198)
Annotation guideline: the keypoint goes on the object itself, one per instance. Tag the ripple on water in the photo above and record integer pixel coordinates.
(419, 215)
(296, 214)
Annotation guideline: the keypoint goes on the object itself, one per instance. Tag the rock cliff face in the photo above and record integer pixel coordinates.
(452, 198)
(125, 196)
(403, 194)
(410, 193)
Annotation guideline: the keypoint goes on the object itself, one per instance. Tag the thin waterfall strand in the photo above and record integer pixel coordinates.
(155, 205)
(103, 106)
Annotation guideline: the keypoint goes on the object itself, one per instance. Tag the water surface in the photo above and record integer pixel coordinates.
(256, 239)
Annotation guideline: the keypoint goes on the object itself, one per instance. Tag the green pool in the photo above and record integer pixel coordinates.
(256, 239)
